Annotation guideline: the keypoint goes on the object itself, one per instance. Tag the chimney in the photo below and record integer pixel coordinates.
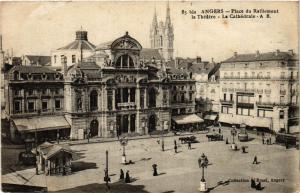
(235, 54)
(277, 52)
(64, 65)
(291, 52)
(198, 59)
(212, 60)
(257, 53)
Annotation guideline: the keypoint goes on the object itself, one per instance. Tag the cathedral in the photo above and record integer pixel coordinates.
(162, 36)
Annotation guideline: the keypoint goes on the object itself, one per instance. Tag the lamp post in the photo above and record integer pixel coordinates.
(203, 163)
(233, 133)
(162, 139)
(106, 177)
(123, 143)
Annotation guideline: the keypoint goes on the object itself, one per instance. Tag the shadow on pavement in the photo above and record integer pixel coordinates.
(220, 183)
(117, 187)
(79, 166)
(170, 191)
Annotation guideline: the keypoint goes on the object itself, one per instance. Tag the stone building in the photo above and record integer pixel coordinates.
(260, 90)
(123, 89)
(74, 52)
(35, 96)
(162, 36)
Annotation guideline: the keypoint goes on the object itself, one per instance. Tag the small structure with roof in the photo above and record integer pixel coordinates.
(54, 159)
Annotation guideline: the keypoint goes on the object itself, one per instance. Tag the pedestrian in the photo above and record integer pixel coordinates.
(154, 166)
(175, 143)
(175, 148)
(219, 130)
(270, 140)
(227, 141)
(189, 145)
(255, 160)
(258, 186)
(121, 174)
(127, 177)
(253, 185)
(263, 140)
(244, 149)
(286, 144)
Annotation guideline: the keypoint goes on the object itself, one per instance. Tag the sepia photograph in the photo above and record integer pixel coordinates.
(149, 97)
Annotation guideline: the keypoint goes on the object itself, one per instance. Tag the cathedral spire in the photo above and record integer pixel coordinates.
(168, 17)
(154, 22)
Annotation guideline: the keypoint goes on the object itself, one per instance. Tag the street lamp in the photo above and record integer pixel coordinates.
(233, 133)
(203, 163)
(123, 142)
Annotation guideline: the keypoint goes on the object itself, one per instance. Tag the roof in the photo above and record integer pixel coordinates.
(40, 60)
(187, 119)
(177, 71)
(49, 150)
(261, 57)
(41, 123)
(87, 65)
(149, 54)
(79, 44)
(215, 70)
(104, 46)
(33, 69)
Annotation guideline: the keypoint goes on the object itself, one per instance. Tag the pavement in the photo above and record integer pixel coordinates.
(228, 170)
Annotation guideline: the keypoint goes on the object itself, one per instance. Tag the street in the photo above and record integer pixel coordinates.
(228, 170)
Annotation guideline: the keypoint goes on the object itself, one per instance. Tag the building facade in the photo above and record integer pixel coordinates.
(162, 36)
(260, 90)
(122, 89)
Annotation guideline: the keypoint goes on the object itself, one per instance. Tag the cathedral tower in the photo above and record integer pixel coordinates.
(162, 36)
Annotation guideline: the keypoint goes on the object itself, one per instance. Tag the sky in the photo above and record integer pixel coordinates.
(38, 27)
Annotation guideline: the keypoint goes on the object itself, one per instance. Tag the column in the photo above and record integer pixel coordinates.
(113, 99)
(129, 123)
(137, 97)
(129, 92)
(145, 99)
(121, 94)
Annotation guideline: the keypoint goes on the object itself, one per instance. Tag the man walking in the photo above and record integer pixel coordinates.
(121, 175)
(127, 177)
(189, 145)
(255, 160)
(175, 148)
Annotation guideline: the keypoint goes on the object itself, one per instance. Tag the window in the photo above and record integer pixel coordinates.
(182, 98)
(260, 64)
(238, 74)
(56, 91)
(281, 99)
(44, 91)
(17, 106)
(142, 95)
(17, 92)
(73, 58)
(259, 98)
(93, 100)
(109, 100)
(124, 61)
(224, 109)
(246, 65)
(231, 97)
(44, 105)
(191, 96)
(57, 104)
(191, 87)
(253, 74)
(54, 59)
(246, 75)
(268, 75)
(30, 92)
(30, 106)
(281, 114)
(182, 87)
(224, 96)
(282, 74)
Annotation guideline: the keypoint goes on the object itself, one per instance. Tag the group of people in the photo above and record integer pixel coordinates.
(127, 177)
(267, 140)
(256, 186)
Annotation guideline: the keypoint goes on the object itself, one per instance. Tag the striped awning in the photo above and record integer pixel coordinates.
(41, 123)
(187, 119)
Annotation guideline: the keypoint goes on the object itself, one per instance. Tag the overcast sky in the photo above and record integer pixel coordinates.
(38, 28)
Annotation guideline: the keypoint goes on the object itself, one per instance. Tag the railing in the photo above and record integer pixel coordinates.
(226, 101)
(282, 92)
(245, 90)
(128, 105)
(268, 91)
(273, 104)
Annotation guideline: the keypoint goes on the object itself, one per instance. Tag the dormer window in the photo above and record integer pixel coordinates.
(124, 61)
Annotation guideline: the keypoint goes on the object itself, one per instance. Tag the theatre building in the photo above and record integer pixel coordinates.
(123, 89)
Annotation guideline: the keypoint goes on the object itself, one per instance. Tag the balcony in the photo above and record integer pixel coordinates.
(124, 106)
(272, 104)
(245, 90)
(226, 101)
(268, 91)
(282, 92)
(245, 105)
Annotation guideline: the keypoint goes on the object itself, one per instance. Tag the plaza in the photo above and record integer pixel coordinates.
(228, 170)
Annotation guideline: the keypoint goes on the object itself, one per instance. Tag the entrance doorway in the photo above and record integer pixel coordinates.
(152, 123)
(94, 128)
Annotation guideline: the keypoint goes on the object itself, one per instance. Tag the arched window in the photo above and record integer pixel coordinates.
(124, 61)
(93, 100)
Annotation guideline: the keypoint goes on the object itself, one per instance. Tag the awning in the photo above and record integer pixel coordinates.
(41, 123)
(210, 117)
(186, 119)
